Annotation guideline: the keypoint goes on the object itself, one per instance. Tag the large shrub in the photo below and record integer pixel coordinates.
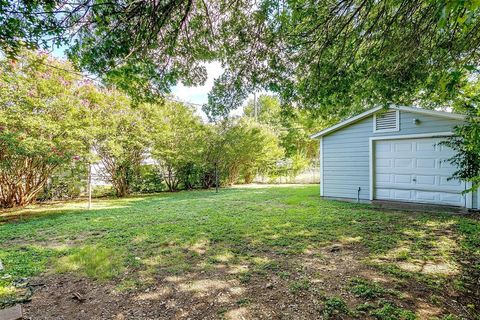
(149, 180)
(121, 138)
(67, 182)
(43, 124)
(466, 144)
(244, 148)
(178, 138)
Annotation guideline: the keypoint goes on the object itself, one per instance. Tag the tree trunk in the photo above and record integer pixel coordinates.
(120, 183)
(121, 188)
(171, 180)
(249, 177)
(21, 185)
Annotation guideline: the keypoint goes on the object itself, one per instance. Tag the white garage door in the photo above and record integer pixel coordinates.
(415, 170)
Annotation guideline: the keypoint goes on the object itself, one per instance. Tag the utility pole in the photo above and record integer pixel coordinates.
(255, 106)
(89, 186)
(216, 176)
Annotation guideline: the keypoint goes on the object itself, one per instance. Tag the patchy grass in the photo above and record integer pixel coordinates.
(335, 307)
(364, 288)
(95, 262)
(389, 311)
(242, 239)
(300, 285)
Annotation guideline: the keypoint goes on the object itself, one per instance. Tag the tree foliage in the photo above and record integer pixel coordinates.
(67, 182)
(43, 124)
(157, 43)
(292, 125)
(249, 148)
(28, 24)
(466, 144)
(336, 56)
(121, 139)
(343, 56)
(466, 141)
(189, 151)
(177, 143)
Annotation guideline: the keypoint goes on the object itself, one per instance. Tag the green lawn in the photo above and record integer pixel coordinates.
(252, 245)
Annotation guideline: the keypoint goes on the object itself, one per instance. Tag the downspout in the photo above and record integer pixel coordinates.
(358, 194)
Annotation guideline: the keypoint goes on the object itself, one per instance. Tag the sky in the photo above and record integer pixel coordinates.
(199, 95)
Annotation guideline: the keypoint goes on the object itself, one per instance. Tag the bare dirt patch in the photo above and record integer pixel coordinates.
(293, 287)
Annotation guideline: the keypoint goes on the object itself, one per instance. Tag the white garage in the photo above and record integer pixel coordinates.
(393, 154)
(416, 170)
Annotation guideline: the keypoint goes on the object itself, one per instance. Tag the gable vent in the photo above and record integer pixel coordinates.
(387, 121)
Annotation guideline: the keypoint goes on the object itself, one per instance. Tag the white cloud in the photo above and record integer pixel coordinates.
(199, 95)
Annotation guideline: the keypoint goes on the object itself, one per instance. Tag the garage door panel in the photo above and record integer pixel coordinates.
(444, 181)
(383, 194)
(428, 163)
(415, 188)
(384, 178)
(391, 194)
(451, 198)
(405, 195)
(445, 164)
(425, 146)
(416, 170)
(403, 163)
(403, 178)
(384, 148)
(444, 148)
(412, 171)
(427, 196)
(387, 179)
(384, 163)
(426, 180)
(402, 147)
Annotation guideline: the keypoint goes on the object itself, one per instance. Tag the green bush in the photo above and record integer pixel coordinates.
(102, 191)
(69, 182)
(190, 176)
(149, 180)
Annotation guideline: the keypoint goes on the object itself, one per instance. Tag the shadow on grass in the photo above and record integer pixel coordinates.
(247, 238)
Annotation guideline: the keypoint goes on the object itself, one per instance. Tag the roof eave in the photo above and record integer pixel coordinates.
(367, 113)
(346, 122)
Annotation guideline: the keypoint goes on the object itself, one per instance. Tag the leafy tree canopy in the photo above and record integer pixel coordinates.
(292, 125)
(178, 139)
(339, 56)
(334, 55)
(466, 141)
(121, 138)
(249, 148)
